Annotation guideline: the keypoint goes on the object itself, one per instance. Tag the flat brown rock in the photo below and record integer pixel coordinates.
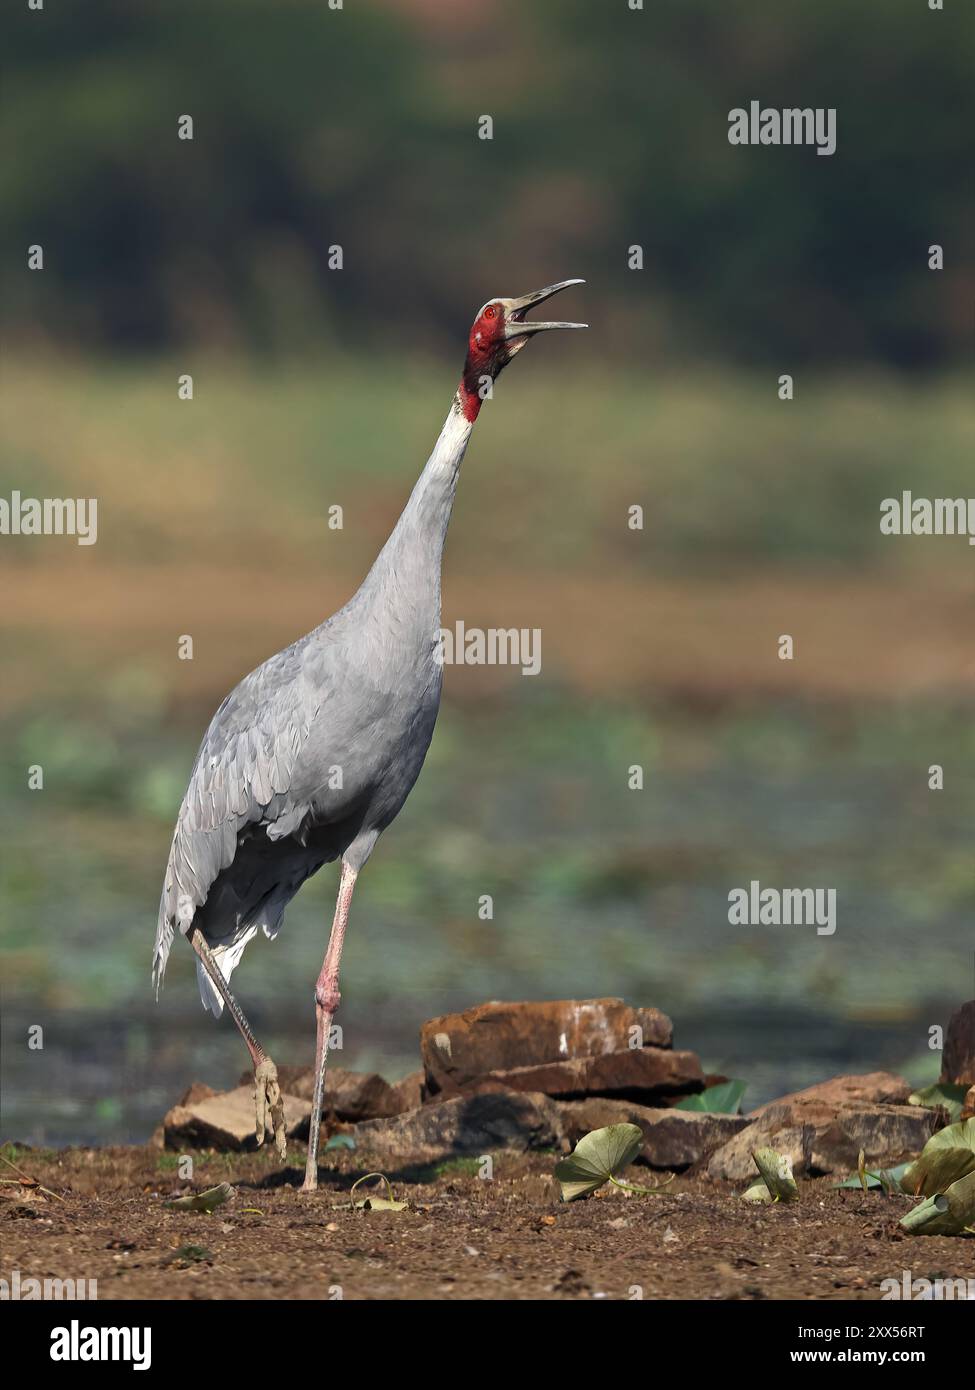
(877, 1087)
(493, 1037)
(958, 1057)
(226, 1121)
(464, 1125)
(641, 1074)
(349, 1095)
(672, 1139)
(821, 1138)
(199, 1090)
(409, 1092)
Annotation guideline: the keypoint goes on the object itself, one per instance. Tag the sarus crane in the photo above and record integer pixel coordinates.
(264, 809)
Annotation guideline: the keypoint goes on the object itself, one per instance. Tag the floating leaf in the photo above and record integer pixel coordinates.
(946, 1157)
(376, 1203)
(724, 1099)
(948, 1213)
(943, 1095)
(207, 1201)
(776, 1169)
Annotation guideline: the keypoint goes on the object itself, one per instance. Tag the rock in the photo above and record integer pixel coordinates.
(349, 1095)
(642, 1074)
(958, 1057)
(227, 1121)
(464, 1125)
(409, 1092)
(671, 1138)
(968, 1106)
(821, 1138)
(875, 1087)
(199, 1090)
(459, 1048)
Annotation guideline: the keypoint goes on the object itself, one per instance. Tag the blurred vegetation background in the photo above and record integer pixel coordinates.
(315, 387)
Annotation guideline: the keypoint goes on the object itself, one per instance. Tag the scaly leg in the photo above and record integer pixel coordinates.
(326, 1002)
(268, 1104)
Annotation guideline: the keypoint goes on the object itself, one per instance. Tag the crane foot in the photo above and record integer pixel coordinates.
(269, 1105)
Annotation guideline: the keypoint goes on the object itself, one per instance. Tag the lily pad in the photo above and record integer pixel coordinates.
(724, 1099)
(943, 1095)
(887, 1178)
(373, 1203)
(339, 1141)
(597, 1159)
(946, 1157)
(206, 1201)
(758, 1192)
(776, 1171)
(598, 1156)
(948, 1213)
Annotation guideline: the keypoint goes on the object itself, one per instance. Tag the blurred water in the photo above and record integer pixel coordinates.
(102, 1080)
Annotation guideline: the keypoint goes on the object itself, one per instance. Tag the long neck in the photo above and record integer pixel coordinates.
(406, 573)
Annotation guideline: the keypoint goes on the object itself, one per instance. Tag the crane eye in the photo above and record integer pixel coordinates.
(490, 312)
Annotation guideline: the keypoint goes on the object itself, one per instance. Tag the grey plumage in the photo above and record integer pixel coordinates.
(313, 754)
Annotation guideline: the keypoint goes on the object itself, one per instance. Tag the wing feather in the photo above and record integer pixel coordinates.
(243, 775)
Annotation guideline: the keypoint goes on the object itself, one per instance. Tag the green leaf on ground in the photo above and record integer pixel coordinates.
(724, 1099)
(948, 1213)
(206, 1201)
(339, 1141)
(776, 1171)
(946, 1157)
(758, 1192)
(943, 1095)
(597, 1159)
(887, 1178)
(598, 1156)
(372, 1203)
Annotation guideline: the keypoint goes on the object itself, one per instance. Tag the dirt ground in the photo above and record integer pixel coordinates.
(463, 1237)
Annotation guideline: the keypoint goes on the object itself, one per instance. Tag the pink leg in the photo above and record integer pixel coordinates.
(326, 1002)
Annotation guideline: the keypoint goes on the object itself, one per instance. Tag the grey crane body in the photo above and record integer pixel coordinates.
(313, 754)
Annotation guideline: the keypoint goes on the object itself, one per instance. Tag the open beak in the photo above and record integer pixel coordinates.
(517, 326)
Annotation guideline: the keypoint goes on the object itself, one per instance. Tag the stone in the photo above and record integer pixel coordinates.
(226, 1121)
(643, 1074)
(349, 1095)
(199, 1090)
(958, 1057)
(672, 1139)
(464, 1125)
(877, 1087)
(968, 1105)
(821, 1138)
(459, 1048)
(409, 1092)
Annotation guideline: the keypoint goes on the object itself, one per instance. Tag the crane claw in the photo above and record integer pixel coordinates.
(269, 1105)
